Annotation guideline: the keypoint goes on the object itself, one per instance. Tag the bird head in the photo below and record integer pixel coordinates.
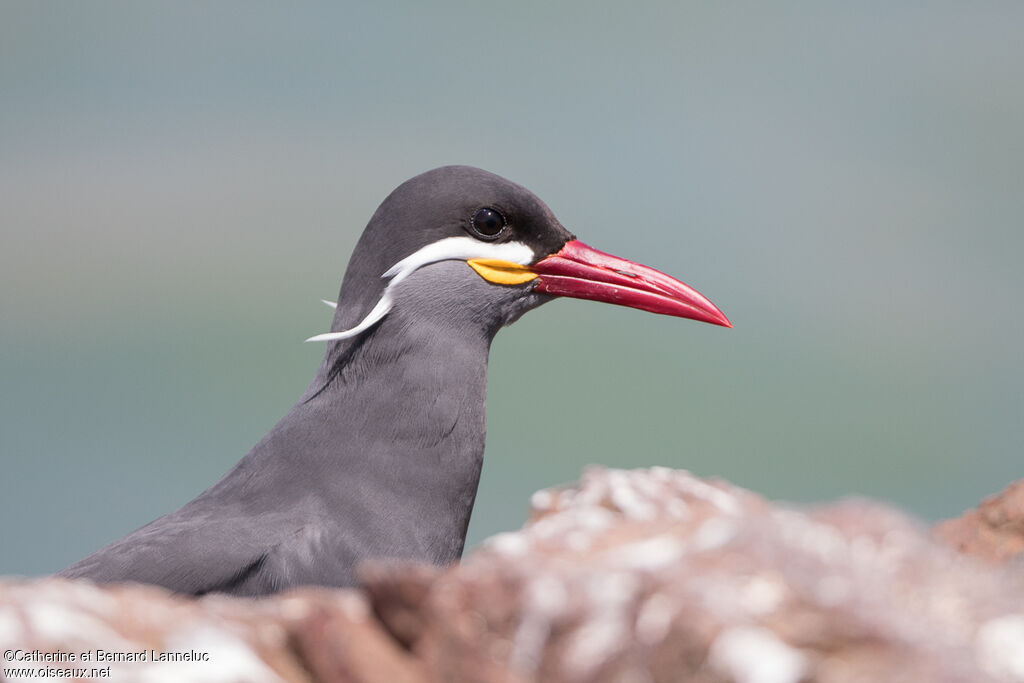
(459, 243)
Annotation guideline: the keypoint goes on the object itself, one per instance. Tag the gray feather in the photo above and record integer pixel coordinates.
(381, 456)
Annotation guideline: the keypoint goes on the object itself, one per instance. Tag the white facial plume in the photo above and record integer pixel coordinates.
(447, 249)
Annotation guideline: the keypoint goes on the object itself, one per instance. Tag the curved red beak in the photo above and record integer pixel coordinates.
(582, 272)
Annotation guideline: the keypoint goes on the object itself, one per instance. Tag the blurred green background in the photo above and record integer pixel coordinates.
(180, 183)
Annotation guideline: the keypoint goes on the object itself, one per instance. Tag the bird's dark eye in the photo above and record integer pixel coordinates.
(488, 222)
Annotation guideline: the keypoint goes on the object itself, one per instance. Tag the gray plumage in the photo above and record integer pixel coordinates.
(380, 458)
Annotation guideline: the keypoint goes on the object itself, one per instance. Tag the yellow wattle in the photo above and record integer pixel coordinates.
(501, 272)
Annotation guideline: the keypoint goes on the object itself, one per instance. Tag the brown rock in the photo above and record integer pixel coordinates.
(638, 576)
(302, 635)
(656, 575)
(994, 531)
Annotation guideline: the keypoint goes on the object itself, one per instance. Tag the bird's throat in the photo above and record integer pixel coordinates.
(402, 420)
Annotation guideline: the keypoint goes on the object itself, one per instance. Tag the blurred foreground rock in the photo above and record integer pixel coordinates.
(995, 531)
(638, 576)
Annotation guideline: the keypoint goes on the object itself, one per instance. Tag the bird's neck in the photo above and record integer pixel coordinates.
(401, 419)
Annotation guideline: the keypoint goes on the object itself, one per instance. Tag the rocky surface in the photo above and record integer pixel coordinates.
(638, 576)
(994, 531)
(304, 635)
